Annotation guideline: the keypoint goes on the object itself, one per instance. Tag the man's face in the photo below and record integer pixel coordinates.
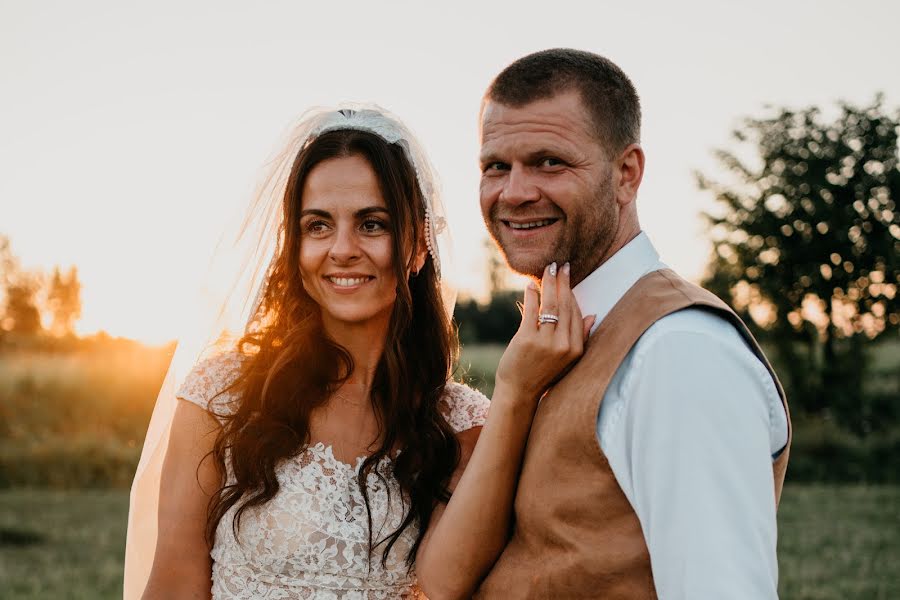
(547, 189)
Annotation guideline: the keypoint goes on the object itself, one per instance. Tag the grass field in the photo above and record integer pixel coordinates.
(836, 542)
(477, 365)
(56, 544)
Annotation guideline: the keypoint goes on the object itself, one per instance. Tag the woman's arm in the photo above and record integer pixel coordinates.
(467, 535)
(182, 567)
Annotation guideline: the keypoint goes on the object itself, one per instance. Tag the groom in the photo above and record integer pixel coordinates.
(654, 467)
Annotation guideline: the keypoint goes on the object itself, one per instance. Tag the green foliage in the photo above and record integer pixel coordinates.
(810, 236)
(497, 321)
(823, 451)
(492, 323)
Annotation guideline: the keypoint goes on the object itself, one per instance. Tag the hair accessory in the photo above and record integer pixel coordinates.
(392, 131)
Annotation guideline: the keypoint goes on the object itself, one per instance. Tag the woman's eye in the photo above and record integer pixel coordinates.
(373, 226)
(316, 227)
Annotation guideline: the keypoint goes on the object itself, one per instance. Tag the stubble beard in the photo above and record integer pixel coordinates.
(531, 266)
(583, 243)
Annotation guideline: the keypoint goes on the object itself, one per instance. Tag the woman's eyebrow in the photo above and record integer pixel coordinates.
(364, 212)
(316, 212)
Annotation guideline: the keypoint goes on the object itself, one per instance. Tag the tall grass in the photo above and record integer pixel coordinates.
(76, 419)
(478, 365)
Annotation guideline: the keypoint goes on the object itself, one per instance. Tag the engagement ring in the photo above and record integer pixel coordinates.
(547, 318)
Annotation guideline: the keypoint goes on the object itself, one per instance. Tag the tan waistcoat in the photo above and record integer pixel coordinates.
(576, 535)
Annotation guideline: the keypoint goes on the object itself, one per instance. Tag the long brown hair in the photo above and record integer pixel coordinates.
(292, 366)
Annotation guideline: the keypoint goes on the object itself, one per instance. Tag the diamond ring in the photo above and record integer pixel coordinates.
(547, 318)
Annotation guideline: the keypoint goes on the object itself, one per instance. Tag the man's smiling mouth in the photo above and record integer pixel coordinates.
(529, 224)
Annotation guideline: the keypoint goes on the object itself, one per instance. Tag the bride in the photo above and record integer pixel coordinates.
(326, 452)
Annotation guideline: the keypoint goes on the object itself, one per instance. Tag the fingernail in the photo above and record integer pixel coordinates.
(553, 269)
(566, 268)
(532, 285)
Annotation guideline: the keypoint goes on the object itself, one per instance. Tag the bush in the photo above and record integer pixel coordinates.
(492, 323)
(69, 463)
(822, 451)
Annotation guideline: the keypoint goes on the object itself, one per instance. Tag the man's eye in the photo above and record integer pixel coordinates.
(551, 162)
(496, 166)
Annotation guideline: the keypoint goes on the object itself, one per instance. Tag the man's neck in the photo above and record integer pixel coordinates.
(606, 284)
(622, 238)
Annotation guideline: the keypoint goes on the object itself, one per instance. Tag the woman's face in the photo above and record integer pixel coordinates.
(346, 243)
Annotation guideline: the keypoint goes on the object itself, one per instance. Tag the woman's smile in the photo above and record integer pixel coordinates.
(348, 282)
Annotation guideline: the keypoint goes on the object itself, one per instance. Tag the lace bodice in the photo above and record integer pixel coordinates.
(311, 540)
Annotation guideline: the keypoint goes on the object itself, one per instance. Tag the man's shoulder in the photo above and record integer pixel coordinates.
(695, 326)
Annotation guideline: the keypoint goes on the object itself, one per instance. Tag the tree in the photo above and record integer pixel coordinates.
(497, 271)
(497, 321)
(64, 301)
(808, 240)
(492, 323)
(19, 290)
(22, 314)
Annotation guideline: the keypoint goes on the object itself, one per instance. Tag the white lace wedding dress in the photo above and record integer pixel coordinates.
(311, 540)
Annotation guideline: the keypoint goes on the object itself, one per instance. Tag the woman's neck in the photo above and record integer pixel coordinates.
(347, 420)
(365, 342)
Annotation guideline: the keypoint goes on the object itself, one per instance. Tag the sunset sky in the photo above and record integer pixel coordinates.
(130, 134)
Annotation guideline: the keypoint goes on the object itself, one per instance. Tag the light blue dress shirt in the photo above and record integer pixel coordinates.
(690, 423)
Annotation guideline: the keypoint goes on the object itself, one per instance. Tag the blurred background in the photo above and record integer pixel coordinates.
(130, 137)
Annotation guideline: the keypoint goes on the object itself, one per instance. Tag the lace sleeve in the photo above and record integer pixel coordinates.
(463, 407)
(207, 384)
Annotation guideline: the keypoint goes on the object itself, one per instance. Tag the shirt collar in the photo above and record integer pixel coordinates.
(599, 291)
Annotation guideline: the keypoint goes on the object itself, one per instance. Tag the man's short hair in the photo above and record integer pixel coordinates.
(606, 92)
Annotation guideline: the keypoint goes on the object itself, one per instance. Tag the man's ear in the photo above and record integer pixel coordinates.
(630, 165)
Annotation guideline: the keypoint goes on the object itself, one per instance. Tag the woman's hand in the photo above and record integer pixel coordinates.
(540, 352)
